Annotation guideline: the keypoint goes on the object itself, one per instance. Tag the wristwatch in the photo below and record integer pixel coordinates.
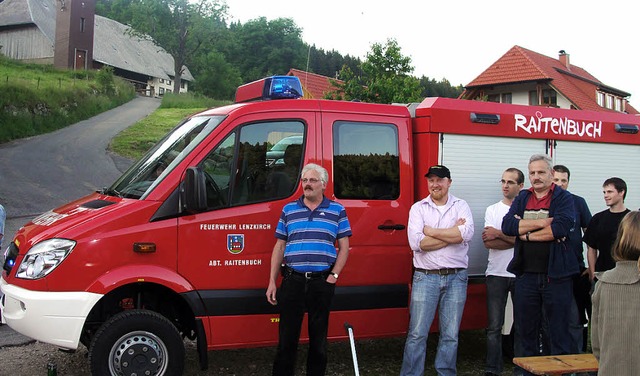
(335, 275)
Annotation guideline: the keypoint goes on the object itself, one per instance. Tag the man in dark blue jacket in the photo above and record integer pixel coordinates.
(542, 218)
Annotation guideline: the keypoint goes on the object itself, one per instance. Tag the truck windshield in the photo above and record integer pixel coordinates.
(147, 172)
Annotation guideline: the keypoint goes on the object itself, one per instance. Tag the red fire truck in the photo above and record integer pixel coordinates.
(180, 245)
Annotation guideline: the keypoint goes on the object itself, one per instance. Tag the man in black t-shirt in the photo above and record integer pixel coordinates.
(603, 227)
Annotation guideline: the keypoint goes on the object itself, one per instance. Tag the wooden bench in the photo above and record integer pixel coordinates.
(558, 364)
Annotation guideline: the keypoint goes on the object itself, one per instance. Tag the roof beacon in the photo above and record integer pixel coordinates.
(274, 87)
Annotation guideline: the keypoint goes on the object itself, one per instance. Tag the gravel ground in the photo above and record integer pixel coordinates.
(380, 357)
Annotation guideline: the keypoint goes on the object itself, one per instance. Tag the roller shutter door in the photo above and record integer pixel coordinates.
(591, 164)
(476, 165)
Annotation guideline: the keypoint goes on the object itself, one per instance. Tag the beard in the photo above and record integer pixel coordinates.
(437, 195)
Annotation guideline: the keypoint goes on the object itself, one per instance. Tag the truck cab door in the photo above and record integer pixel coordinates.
(225, 244)
(369, 157)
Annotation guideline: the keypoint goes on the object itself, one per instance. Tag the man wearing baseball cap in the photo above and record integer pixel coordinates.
(440, 228)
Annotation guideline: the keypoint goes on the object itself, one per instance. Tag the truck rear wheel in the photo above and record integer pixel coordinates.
(137, 342)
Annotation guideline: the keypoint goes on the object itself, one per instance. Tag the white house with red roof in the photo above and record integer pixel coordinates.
(526, 77)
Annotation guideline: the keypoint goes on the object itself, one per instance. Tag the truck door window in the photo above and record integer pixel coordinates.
(258, 162)
(365, 161)
(217, 169)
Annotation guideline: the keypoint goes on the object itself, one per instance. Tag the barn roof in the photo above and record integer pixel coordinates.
(114, 45)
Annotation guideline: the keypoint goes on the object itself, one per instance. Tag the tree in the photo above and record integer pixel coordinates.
(263, 48)
(442, 88)
(384, 77)
(216, 78)
(181, 27)
(328, 63)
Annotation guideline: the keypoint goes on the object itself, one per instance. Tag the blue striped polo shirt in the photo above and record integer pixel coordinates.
(311, 235)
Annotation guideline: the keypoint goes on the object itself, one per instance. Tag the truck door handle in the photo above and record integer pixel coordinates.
(391, 227)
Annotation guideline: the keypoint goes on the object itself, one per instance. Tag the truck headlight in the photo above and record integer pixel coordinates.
(43, 257)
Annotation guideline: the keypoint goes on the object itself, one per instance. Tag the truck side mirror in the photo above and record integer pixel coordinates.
(194, 192)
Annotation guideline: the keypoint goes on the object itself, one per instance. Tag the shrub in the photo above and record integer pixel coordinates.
(105, 80)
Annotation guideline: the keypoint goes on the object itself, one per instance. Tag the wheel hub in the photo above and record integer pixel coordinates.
(138, 354)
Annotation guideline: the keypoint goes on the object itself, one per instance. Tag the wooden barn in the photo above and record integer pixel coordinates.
(80, 39)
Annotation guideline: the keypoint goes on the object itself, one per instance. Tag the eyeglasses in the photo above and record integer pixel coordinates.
(507, 182)
(310, 180)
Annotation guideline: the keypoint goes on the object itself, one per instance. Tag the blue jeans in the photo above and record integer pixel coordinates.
(498, 289)
(535, 293)
(448, 293)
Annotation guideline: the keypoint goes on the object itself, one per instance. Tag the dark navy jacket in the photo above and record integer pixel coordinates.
(562, 259)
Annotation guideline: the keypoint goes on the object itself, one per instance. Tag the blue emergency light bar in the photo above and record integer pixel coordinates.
(274, 87)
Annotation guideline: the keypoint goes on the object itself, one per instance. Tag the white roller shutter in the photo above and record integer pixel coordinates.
(591, 164)
(476, 165)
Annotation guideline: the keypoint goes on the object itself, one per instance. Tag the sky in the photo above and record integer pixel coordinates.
(458, 39)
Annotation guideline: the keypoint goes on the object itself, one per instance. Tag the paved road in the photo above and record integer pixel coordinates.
(43, 172)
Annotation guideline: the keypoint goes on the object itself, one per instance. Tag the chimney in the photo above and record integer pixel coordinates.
(564, 59)
(73, 46)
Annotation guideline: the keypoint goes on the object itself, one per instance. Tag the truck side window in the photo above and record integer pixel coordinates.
(258, 162)
(365, 160)
(217, 168)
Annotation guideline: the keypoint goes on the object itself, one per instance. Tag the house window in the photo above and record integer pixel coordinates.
(161, 91)
(600, 99)
(82, 24)
(493, 98)
(609, 101)
(549, 98)
(169, 82)
(162, 80)
(506, 98)
(533, 98)
(618, 104)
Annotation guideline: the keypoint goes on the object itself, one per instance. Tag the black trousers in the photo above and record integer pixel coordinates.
(297, 295)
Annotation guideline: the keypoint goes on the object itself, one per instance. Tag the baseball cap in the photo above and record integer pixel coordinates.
(439, 171)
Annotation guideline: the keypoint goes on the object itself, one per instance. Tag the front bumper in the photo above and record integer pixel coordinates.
(51, 317)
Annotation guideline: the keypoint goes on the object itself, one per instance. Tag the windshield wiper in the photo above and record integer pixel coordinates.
(110, 192)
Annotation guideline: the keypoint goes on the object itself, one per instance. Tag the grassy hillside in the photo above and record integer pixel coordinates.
(134, 141)
(36, 99)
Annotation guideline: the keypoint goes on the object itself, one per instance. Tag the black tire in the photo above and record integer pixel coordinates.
(134, 342)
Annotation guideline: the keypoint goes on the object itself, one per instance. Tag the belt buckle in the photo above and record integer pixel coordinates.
(307, 275)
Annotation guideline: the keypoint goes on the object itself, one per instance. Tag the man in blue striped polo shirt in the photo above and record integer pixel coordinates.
(305, 254)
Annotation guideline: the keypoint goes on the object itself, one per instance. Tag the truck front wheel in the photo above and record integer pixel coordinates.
(137, 342)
